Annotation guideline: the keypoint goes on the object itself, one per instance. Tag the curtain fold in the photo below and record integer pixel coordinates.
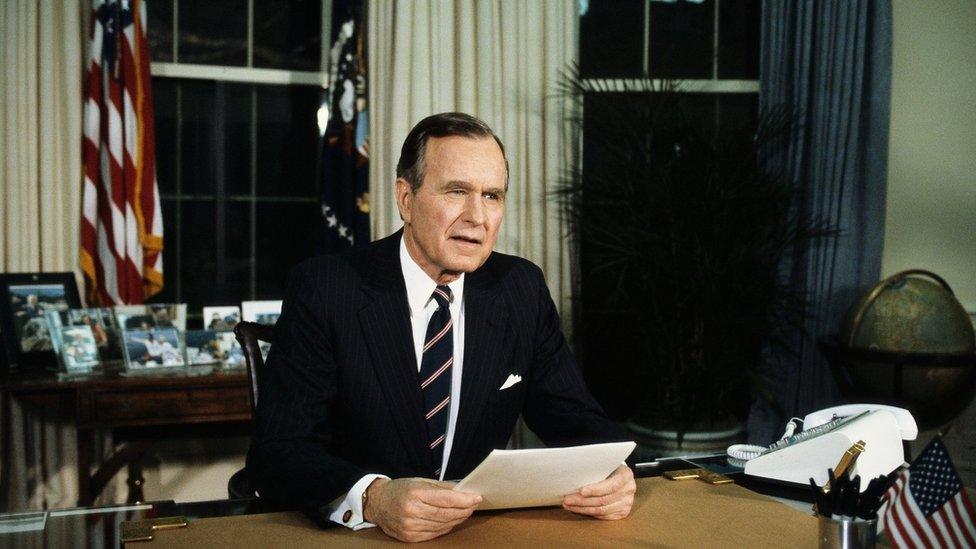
(42, 46)
(829, 64)
(495, 59)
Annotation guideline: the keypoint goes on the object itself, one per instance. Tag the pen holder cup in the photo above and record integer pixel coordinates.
(846, 533)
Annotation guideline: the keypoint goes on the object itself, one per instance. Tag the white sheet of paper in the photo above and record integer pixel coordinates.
(540, 477)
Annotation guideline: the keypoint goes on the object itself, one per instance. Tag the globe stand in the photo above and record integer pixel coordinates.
(934, 387)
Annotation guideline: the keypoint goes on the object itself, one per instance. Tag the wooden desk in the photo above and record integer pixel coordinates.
(666, 514)
(110, 398)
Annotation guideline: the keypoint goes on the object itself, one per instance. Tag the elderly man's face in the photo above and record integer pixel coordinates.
(451, 221)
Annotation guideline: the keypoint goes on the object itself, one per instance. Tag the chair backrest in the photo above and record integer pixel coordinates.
(249, 335)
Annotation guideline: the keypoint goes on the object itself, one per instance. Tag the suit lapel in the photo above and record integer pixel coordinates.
(385, 323)
(485, 338)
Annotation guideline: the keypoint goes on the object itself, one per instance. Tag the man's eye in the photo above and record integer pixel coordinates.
(457, 191)
(491, 196)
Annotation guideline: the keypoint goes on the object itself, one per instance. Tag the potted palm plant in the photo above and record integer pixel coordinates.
(682, 231)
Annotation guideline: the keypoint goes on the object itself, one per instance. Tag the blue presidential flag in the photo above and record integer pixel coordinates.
(345, 146)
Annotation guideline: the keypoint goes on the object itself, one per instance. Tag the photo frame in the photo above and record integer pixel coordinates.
(213, 347)
(262, 312)
(77, 348)
(103, 324)
(153, 349)
(221, 319)
(151, 315)
(24, 300)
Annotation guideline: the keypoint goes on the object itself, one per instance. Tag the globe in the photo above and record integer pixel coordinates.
(908, 342)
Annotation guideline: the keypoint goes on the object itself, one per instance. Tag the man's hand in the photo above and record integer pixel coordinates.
(609, 499)
(416, 509)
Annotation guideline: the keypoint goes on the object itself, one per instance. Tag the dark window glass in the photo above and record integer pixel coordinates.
(612, 39)
(738, 39)
(287, 140)
(681, 37)
(215, 253)
(159, 28)
(738, 111)
(287, 34)
(287, 233)
(213, 32)
(164, 109)
(215, 137)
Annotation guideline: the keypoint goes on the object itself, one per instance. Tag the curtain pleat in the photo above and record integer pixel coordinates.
(829, 63)
(42, 45)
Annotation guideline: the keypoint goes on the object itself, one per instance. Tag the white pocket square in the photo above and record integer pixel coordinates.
(512, 380)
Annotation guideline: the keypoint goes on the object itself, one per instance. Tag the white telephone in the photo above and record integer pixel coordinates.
(826, 436)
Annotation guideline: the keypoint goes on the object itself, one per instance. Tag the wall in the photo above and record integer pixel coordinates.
(931, 211)
(931, 217)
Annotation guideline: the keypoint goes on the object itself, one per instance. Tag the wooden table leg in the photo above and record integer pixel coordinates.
(85, 444)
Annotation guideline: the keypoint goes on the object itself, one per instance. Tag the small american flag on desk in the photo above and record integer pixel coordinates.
(928, 505)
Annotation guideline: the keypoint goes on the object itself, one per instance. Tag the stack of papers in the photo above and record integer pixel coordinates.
(540, 477)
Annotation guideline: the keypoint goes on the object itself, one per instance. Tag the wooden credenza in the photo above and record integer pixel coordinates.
(110, 398)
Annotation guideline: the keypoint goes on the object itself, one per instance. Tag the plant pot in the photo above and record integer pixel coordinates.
(655, 443)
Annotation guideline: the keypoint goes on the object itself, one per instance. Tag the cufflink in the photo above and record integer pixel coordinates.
(346, 516)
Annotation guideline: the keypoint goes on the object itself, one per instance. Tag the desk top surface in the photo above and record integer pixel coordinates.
(666, 513)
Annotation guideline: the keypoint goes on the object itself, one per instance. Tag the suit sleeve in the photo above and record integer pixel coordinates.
(558, 406)
(289, 460)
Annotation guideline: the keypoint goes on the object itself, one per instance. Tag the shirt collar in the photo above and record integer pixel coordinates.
(419, 285)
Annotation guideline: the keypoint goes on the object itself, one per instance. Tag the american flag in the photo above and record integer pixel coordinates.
(122, 225)
(928, 505)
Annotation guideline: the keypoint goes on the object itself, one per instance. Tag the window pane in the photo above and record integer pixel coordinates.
(164, 109)
(288, 140)
(214, 270)
(612, 39)
(287, 233)
(160, 29)
(215, 137)
(213, 32)
(681, 39)
(738, 39)
(288, 34)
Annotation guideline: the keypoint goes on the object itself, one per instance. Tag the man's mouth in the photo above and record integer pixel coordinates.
(466, 239)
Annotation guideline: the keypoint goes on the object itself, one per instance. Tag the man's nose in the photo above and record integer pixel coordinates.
(475, 209)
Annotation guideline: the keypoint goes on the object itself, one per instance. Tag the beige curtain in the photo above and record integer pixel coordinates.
(42, 48)
(498, 60)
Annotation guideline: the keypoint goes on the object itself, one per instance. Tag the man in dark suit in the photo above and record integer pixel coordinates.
(405, 362)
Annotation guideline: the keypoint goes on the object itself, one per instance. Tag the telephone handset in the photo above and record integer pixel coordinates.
(827, 434)
(906, 423)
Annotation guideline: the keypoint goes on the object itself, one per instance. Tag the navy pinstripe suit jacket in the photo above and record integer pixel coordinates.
(340, 395)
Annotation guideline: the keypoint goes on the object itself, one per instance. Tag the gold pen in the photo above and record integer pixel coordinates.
(846, 462)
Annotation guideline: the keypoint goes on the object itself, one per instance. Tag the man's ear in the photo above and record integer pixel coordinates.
(404, 198)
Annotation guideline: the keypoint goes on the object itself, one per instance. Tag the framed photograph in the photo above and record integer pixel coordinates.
(232, 354)
(154, 315)
(262, 312)
(102, 322)
(202, 347)
(78, 349)
(221, 319)
(156, 348)
(24, 300)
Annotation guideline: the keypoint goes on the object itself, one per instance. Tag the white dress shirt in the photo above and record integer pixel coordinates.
(420, 288)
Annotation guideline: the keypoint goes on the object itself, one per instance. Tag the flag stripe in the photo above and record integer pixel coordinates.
(121, 225)
(963, 519)
(917, 517)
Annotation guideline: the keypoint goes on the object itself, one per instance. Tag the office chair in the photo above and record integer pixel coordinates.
(249, 335)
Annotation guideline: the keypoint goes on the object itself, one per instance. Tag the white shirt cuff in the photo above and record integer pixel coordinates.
(347, 510)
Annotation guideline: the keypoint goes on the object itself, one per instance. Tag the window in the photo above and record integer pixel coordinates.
(238, 86)
(712, 48)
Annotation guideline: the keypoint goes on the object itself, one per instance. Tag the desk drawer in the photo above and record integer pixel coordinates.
(170, 404)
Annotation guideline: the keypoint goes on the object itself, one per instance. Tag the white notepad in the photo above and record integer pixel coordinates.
(541, 476)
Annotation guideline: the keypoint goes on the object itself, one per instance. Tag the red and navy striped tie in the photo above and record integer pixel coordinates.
(435, 374)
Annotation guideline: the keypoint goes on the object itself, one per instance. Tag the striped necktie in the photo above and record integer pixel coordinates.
(435, 374)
